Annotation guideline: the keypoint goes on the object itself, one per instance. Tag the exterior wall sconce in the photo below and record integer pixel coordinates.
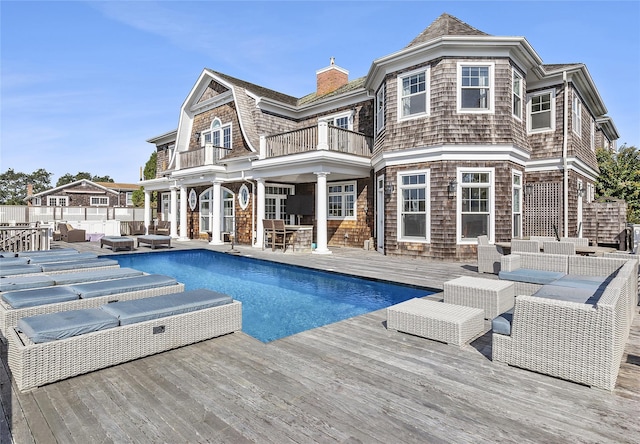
(580, 191)
(388, 189)
(197, 136)
(452, 188)
(528, 189)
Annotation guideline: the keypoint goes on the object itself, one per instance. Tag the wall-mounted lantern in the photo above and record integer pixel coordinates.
(452, 188)
(528, 189)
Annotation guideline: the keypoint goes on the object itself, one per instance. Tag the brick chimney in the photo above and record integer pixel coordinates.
(331, 78)
(29, 193)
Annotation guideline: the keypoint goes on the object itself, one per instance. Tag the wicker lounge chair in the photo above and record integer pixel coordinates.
(44, 280)
(36, 364)
(79, 296)
(70, 234)
(488, 256)
(559, 247)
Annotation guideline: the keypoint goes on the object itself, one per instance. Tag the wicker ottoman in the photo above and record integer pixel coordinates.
(453, 324)
(493, 296)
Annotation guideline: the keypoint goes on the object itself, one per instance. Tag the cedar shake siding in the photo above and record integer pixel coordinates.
(288, 144)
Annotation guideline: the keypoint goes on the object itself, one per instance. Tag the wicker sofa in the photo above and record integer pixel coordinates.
(574, 327)
(114, 333)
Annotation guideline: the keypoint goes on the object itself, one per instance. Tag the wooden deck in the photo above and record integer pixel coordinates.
(352, 381)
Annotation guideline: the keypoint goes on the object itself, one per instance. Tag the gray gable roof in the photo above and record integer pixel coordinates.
(560, 66)
(445, 25)
(257, 89)
(351, 86)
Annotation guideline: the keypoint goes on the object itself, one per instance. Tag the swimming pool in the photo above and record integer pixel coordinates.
(278, 300)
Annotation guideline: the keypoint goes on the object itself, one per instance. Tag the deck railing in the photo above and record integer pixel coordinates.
(15, 239)
(320, 137)
(208, 155)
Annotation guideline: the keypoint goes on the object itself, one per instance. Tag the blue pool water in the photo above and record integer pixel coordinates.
(277, 300)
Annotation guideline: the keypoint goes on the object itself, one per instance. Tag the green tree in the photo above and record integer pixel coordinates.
(69, 178)
(149, 173)
(13, 185)
(620, 178)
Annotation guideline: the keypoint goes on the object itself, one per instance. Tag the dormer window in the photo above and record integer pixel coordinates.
(219, 136)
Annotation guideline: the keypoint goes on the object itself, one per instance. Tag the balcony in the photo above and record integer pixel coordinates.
(209, 155)
(313, 138)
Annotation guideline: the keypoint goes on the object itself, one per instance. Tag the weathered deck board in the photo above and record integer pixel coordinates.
(352, 381)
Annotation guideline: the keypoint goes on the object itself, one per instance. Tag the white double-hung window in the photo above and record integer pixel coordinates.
(413, 94)
(475, 87)
(517, 94)
(476, 207)
(57, 201)
(99, 201)
(380, 108)
(576, 109)
(341, 200)
(414, 206)
(541, 109)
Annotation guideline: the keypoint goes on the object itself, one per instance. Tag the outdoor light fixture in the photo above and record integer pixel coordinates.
(197, 136)
(528, 189)
(388, 189)
(453, 187)
(580, 191)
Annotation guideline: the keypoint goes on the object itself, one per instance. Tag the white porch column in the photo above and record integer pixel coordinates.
(260, 213)
(216, 216)
(147, 211)
(321, 214)
(184, 236)
(173, 214)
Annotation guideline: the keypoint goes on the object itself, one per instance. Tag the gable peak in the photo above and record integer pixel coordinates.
(445, 25)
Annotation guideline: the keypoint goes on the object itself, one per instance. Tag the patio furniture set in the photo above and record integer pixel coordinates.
(62, 325)
(566, 316)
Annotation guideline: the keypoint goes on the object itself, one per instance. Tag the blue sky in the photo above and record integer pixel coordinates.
(84, 84)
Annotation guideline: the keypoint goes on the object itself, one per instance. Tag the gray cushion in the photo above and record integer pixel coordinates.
(52, 251)
(14, 260)
(48, 258)
(12, 270)
(578, 281)
(115, 286)
(531, 276)
(25, 282)
(579, 295)
(54, 326)
(140, 310)
(95, 275)
(39, 296)
(502, 323)
(73, 265)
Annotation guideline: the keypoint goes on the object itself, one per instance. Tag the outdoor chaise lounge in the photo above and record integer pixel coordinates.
(117, 242)
(45, 252)
(575, 327)
(44, 280)
(15, 305)
(96, 338)
(57, 267)
(154, 240)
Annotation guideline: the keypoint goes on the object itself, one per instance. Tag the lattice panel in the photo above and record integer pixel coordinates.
(543, 209)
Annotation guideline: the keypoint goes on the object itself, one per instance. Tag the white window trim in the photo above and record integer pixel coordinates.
(399, 188)
(592, 136)
(244, 192)
(220, 129)
(427, 80)
(58, 199)
(576, 115)
(94, 204)
(518, 173)
(381, 97)
(552, 118)
(492, 84)
(520, 94)
(129, 198)
(492, 203)
(37, 201)
(343, 194)
(332, 118)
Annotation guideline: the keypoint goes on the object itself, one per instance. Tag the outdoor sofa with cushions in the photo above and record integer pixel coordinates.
(70, 234)
(115, 333)
(15, 305)
(574, 328)
(529, 271)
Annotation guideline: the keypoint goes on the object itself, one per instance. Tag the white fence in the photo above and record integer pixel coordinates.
(13, 214)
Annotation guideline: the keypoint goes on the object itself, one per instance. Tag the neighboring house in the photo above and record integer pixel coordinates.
(459, 134)
(85, 193)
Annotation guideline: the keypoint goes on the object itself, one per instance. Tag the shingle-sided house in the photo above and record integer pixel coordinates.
(85, 193)
(456, 135)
